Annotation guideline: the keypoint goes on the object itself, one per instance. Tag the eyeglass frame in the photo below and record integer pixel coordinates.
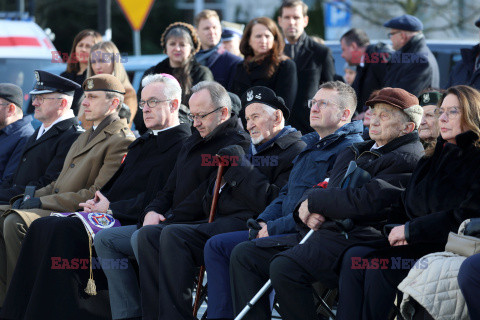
(391, 34)
(438, 112)
(199, 117)
(42, 99)
(141, 103)
(312, 102)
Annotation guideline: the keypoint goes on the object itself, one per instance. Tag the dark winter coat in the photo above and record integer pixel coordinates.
(145, 170)
(413, 67)
(191, 169)
(223, 66)
(309, 167)
(463, 72)
(283, 82)
(250, 186)
(390, 168)
(12, 140)
(370, 76)
(42, 159)
(315, 65)
(444, 191)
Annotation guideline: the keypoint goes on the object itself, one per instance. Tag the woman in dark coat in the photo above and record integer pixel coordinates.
(265, 64)
(443, 191)
(180, 42)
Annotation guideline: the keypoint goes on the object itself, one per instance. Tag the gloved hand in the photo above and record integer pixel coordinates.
(253, 228)
(233, 150)
(31, 203)
(17, 203)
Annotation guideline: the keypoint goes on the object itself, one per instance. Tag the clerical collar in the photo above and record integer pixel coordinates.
(156, 132)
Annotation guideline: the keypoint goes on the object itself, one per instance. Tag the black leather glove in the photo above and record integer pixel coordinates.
(31, 203)
(17, 203)
(253, 228)
(233, 150)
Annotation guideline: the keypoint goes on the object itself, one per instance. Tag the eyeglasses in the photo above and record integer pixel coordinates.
(321, 104)
(391, 34)
(452, 113)
(4, 104)
(151, 103)
(199, 117)
(40, 99)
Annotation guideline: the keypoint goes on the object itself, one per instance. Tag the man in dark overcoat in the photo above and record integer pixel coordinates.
(45, 151)
(412, 67)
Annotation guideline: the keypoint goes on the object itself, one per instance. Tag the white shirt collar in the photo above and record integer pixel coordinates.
(68, 115)
(375, 146)
(155, 132)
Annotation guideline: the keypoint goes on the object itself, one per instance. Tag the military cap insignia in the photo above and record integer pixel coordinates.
(426, 98)
(37, 76)
(90, 84)
(258, 96)
(250, 95)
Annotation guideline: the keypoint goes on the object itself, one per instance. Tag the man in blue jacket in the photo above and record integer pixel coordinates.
(14, 128)
(331, 111)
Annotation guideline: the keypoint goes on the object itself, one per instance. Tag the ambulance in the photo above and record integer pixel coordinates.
(24, 47)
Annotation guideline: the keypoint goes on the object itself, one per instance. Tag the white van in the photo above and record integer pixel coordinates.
(24, 47)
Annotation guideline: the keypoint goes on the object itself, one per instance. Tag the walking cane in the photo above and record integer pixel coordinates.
(213, 208)
(265, 287)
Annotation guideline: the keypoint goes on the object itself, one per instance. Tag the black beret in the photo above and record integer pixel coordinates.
(405, 22)
(12, 93)
(267, 96)
(430, 98)
(48, 82)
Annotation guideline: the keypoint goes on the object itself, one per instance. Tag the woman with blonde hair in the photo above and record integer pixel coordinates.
(265, 64)
(105, 58)
(77, 62)
(443, 192)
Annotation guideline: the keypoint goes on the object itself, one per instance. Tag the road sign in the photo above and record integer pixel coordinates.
(136, 11)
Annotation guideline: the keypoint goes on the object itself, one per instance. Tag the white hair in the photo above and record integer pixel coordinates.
(171, 88)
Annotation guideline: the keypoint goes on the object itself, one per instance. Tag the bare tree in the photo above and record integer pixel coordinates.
(452, 15)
